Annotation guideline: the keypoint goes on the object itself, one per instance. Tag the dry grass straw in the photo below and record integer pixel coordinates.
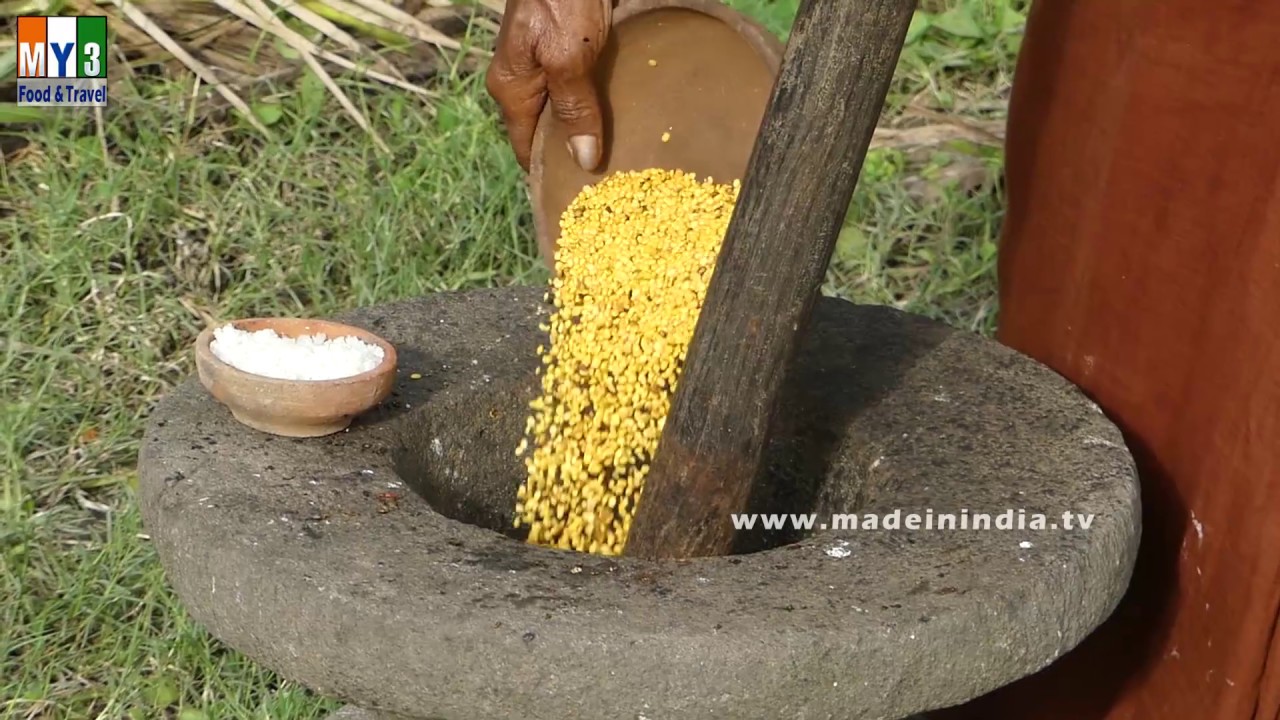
(230, 45)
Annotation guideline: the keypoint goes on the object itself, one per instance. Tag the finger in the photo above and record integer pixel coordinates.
(571, 83)
(521, 95)
(576, 103)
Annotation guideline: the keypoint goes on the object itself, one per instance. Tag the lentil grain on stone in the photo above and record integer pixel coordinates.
(635, 254)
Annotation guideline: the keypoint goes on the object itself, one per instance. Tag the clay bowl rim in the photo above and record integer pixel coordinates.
(763, 41)
(205, 354)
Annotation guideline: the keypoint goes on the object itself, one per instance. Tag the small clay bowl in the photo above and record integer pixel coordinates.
(708, 85)
(295, 408)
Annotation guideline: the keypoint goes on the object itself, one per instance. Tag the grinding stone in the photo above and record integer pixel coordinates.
(317, 559)
(351, 712)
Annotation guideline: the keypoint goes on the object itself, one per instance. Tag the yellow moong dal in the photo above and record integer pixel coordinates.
(635, 254)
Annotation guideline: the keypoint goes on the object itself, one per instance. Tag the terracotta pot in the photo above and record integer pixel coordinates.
(1140, 259)
(695, 69)
(295, 408)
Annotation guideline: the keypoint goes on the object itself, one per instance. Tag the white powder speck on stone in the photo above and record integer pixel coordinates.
(839, 550)
(307, 357)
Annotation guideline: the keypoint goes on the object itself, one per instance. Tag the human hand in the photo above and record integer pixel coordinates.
(547, 51)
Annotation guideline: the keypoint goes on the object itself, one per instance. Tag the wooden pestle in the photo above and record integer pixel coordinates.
(830, 90)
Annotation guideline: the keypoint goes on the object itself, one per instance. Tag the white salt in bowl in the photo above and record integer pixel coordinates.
(320, 384)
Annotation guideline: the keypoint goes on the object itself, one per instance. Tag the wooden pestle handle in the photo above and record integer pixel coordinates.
(835, 74)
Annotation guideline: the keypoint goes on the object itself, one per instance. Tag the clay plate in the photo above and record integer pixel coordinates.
(295, 408)
(709, 89)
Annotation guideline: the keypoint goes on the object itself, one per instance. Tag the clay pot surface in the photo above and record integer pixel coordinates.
(295, 408)
(695, 69)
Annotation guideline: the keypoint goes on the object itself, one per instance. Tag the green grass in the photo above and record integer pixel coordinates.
(115, 250)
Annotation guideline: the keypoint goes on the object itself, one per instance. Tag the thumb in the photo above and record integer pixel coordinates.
(576, 102)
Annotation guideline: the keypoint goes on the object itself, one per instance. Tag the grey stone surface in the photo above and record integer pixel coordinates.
(318, 558)
(351, 712)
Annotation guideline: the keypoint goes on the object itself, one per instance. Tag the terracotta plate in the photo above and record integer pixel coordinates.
(708, 85)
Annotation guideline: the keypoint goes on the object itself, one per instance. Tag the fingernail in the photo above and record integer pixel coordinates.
(586, 150)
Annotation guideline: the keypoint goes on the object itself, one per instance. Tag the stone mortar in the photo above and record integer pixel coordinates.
(314, 558)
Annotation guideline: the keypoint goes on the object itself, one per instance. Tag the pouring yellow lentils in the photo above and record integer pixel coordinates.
(635, 254)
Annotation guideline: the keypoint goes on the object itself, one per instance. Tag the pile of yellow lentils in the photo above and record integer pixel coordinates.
(635, 254)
